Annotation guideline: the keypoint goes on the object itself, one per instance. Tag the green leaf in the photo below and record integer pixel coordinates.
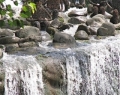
(32, 6)
(10, 14)
(2, 23)
(10, 22)
(16, 3)
(8, 7)
(23, 15)
(1, 1)
(3, 12)
(25, 8)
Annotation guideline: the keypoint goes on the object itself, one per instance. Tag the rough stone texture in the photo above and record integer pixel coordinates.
(81, 35)
(75, 20)
(27, 44)
(28, 31)
(1, 53)
(107, 29)
(6, 32)
(53, 75)
(55, 23)
(83, 27)
(52, 30)
(63, 40)
(9, 40)
(11, 47)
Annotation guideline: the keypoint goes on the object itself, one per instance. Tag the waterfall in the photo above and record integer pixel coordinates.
(73, 76)
(23, 75)
(105, 68)
(95, 69)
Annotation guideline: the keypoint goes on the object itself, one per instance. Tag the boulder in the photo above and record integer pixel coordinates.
(81, 35)
(51, 30)
(63, 40)
(89, 8)
(83, 27)
(11, 47)
(9, 40)
(53, 75)
(64, 26)
(55, 23)
(27, 44)
(107, 29)
(75, 20)
(45, 36)
(28, 31)
(6, 32)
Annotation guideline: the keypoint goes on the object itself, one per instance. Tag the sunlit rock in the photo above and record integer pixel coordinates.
(107, 29)
(28, 31)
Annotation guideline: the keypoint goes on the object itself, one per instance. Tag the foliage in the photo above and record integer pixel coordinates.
(27, 10)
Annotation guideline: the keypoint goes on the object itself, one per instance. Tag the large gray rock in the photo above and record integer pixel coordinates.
(63, 40)
(6, 32)
(83, 27)
(107, 29)
(55, 23)
(51, 30)
(76, 20)
(28, 31)
(95, 22)
(81, 35)
(9, 40)
(11, 47)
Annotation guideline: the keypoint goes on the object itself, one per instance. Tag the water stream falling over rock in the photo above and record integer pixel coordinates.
(23, 76)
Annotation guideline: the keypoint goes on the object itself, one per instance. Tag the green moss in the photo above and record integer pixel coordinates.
(61, 19)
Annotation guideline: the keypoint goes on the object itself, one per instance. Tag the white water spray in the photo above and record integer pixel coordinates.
(23, 76)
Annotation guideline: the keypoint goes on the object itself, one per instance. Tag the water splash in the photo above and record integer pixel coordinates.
(23, 76)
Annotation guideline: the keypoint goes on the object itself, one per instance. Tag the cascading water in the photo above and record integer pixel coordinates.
(105, 71)
(96, 69)
(73, 75)
(23, 76)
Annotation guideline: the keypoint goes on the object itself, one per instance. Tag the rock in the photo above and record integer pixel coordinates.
(28, 31)
(81, 35)
(11, 47)
(1, 53)
(6, 32)
(63, 40)
(75, 20)
(64, 26)
(27, 44)
(78, 6)
(73, 14)
(9, 40)
(89, 8)
(83, 27)
(45, 36)
(53, 78)
(51, 30)
(107, 29)
(55, 23)
(95, 22)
